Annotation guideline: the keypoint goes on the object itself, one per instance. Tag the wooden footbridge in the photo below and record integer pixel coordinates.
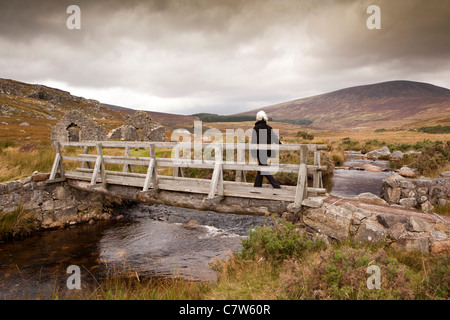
(104, 166)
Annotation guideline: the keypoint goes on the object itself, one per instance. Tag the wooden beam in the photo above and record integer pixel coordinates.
(127, 167)
(217, 178)
(57, 164)
(151, 171)
(302, 181)
(99, 168)
(169, 145)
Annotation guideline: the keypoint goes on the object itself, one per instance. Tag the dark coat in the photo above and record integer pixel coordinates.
(263, 134)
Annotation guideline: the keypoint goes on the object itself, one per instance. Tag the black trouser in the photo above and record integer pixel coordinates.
(259, 179)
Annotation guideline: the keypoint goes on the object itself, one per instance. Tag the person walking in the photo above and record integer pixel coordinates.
(263, 134)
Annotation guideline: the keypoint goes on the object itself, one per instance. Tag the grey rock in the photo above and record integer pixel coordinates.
(370, 197)
(406, 172)
(397, 230)
(416, 224)
(313, 202)
(408, 202)
(438, 235)
(444, 175)
(382, 153)
(396, 155)
(370, 231)
(427, 206)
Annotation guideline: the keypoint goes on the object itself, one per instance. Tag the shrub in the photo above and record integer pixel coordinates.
(372, 145)
(341, 273)
(305, 135)
(277, 242)
(438, 284)
(348, 144)
(435, 129)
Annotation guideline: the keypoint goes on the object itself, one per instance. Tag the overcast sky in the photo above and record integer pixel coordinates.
(228, 56)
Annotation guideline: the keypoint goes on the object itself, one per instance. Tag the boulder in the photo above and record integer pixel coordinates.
(427, 206)
(370, 231)
(416, 224)
(412, 152)
(412, 243)
(332, 221)
(382, 153)
(408, 202)
(370, 197)
(313, 202)
(372, 168)
(406, 172)
(444, 175)
(396, 155)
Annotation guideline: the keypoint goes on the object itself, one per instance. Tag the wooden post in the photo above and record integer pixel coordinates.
(86, 164)
(302, 182)
(318, 173)
(127, 167)
(217, 178)
(240, 176)
(57, 164)
(177, 171)
(151, 171)
(99, 168)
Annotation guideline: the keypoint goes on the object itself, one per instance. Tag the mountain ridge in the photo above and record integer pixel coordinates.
(391, 104)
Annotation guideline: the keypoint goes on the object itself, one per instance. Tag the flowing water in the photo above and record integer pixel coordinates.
(151, 240)
(351, 180)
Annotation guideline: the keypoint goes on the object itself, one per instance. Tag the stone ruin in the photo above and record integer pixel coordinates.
(138, 127)
(76, 127)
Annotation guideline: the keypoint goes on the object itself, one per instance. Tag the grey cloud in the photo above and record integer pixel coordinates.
(224, 55)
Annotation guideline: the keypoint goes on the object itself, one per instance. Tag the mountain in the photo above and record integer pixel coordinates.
(381, 105)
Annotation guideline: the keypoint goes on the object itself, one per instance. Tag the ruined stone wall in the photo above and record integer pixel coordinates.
(54, 205)
(89, 130)
(422, 193)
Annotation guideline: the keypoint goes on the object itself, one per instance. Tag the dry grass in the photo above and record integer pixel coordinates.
(20, 162)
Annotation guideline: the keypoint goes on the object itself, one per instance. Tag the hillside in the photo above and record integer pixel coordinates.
(169, 120)
(382, 105)
(28, 111)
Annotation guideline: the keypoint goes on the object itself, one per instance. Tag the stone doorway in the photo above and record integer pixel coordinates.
(74, 132)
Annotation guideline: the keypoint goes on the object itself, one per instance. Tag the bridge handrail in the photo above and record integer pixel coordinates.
(164, 145)
(216, 189)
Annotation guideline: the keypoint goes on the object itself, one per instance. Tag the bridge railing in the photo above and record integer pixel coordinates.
(215, 188)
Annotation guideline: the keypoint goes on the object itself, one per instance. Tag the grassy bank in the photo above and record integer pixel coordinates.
(277, 262)
(17, 224)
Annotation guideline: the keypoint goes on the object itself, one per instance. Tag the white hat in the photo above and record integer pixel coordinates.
(261, 115)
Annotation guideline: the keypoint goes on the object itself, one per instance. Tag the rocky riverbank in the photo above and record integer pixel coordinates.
(369, 219)
(422, 193)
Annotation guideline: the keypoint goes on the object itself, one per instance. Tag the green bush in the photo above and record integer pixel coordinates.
(348, 144)
(438, 283)
(305, 135)
(435, 129)
(278, 242)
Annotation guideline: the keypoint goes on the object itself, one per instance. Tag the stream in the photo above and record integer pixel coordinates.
(151, 240)
(351, 180)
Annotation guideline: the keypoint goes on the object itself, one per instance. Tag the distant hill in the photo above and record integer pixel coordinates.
(170, 120)
(388, 104)
(28, 111)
